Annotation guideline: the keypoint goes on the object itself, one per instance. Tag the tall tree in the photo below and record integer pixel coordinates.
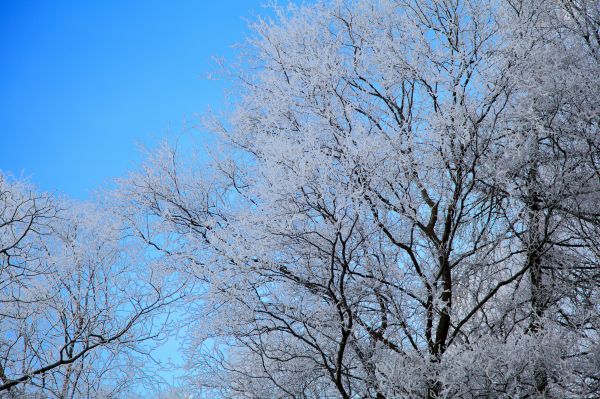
(404, 207)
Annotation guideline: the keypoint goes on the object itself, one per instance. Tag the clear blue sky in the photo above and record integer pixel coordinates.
(81, 82)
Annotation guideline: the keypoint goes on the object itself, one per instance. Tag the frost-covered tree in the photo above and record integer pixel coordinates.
(403, 206)
(78, 300)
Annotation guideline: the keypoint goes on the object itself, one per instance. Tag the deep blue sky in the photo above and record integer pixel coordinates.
(81, 82)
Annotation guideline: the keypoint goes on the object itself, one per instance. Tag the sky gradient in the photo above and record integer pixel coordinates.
(83, 84)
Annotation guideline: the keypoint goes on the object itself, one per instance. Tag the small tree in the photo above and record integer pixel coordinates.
(77, 304)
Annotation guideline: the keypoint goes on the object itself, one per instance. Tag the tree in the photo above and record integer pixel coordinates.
(405, 207)
(78, 304)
